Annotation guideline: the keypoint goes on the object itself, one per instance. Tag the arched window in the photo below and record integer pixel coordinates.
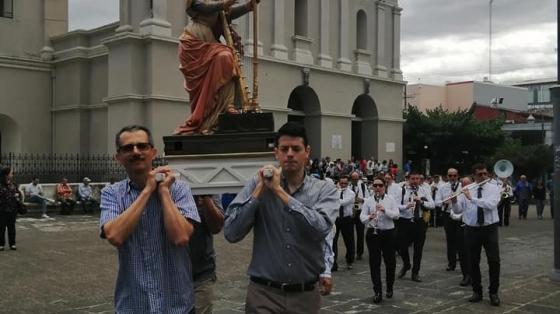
(361, 30)
(300, 18)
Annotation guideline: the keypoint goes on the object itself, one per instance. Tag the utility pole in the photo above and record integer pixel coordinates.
(555, 97)
(490, 40)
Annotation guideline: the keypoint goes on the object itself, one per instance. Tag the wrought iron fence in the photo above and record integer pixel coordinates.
(50, 168)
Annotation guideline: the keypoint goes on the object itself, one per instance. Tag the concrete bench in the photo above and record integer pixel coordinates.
(49, 191)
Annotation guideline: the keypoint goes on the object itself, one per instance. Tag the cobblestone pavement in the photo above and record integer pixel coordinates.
(61, 266)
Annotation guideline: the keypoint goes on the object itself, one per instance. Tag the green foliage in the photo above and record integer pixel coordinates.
(534, 161)
(452, 138)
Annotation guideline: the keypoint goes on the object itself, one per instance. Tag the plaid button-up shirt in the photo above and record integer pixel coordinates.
(154, 274)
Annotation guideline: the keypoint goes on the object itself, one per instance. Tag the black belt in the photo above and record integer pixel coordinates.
(286, 287)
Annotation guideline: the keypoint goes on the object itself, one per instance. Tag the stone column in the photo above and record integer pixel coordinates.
(278, 48)
(396, 70)
(325, 59)
(124, 17)
(249, 42)
(157, 24)
(380, 68)
(343, 61)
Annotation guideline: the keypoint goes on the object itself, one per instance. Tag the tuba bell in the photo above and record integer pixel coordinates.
(503, 168)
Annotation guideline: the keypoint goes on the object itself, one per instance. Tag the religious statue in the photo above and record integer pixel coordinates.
(210, 68)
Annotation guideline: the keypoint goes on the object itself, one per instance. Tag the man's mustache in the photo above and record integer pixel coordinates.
(137, 157)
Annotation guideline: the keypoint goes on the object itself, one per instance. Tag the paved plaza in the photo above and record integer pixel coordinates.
(61, 266)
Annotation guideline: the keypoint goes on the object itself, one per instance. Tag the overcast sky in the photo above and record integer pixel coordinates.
(442, 40)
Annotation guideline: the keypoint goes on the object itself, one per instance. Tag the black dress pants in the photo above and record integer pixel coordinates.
(476, 238)
(504, 211)
(411, 232)
(7, 221)
(345, 226)
(451, 228)
(360, 228)
(382, 243)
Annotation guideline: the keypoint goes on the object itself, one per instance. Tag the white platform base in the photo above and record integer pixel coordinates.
(218, 173)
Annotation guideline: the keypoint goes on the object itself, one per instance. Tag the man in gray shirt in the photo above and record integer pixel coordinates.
(292, 214)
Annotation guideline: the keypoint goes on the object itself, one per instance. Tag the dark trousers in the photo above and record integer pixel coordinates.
(462, 251)
(504, 211)
(360, 228)
(7, 221)
(439, 217)
(475, 239)
(88, 205)
(382, 243)
(540, 207)
(345, 226)
(67, 206)
(523, 207)
(451, 228)
(411, 232)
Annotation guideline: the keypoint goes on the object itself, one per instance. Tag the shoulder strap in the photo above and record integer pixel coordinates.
(402, 197)
(363, 190)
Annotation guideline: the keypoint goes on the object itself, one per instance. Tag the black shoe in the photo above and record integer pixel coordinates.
(450, 268)
(494, 300)
(416, 278)
(13, 247)
(403, 271)
(465, 282)
(476, 297)
(349, 266)
(389, 294)
(377, 298)
(359, 258)
(1, 248)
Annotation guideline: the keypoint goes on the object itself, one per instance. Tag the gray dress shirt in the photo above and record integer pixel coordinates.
(289, 240)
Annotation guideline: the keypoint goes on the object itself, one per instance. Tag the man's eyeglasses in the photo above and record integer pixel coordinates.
(452, 175)
(378, 185)
(128, 148)
(480, 174)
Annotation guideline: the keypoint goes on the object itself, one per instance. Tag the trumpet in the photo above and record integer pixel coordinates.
(467, 187)
(506, 191)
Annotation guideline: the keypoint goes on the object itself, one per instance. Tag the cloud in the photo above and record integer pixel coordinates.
(88, 14)
(446, 40)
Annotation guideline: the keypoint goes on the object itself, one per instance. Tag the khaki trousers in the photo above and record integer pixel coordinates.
(263, 299)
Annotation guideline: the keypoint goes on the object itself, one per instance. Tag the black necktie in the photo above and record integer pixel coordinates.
(416, 207)
(480, 211)
(341, 210)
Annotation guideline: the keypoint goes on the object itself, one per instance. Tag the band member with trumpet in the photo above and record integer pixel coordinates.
(478, 204)
(450, 225)
(411, 225)
(362, 193)
(504, 207)
(378, 213)
(344, 223)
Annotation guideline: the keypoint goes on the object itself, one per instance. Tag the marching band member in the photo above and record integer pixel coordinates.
(504, 207)
(411, 226)
(450, 225)
(361, 191)
(478, 205)
(378, 213)
(344, 223)
(393, 188)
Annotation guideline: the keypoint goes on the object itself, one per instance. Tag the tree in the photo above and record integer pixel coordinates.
(450, 139)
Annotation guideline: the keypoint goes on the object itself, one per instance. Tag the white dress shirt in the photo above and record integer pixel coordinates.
(347, 201)
(408, 213)
(445, 191)
(395, 191)
(489, 203)
(385, 219)
(362, 193)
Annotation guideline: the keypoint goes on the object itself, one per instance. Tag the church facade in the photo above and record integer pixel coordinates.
(333, 65)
